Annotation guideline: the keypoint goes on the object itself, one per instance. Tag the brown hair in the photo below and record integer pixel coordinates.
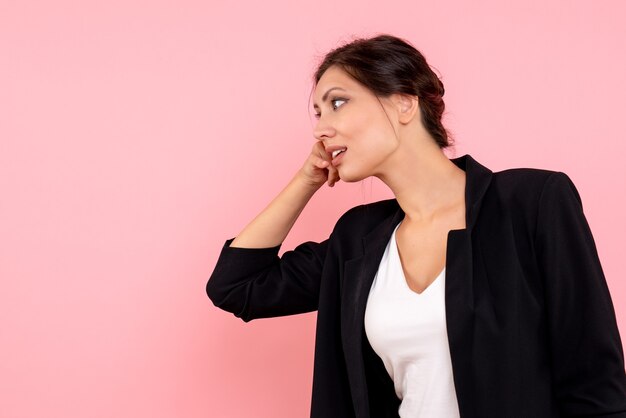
(386, 65)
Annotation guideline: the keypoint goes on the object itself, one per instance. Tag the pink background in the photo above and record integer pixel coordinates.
(137, 136)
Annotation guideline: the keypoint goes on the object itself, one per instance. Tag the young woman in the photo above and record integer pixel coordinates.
(471, 294)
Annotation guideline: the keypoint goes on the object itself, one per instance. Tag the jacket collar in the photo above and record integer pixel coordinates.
(359, 274)
(478, 178)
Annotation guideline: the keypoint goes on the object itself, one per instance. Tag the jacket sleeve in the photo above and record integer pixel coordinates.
(585, 346)
(256, 283)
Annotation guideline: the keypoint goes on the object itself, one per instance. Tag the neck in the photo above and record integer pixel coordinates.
(425, 182)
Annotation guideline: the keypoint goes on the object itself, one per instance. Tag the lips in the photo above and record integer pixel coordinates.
(338, 157)
(337, 152)
(333, 148)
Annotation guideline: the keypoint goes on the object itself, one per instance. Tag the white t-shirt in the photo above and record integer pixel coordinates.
(408, 332)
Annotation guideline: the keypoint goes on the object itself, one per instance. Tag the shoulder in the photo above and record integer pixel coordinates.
(530, 184)
(530, 197)
(522, 179)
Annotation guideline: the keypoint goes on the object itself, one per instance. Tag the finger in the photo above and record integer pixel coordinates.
(331, 180)
(324, 155)
(332, 177)
(321, 163)
(321, 152)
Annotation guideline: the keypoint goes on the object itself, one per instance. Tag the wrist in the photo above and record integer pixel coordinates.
(304, 184)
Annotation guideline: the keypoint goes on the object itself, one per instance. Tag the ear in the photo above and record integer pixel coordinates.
(407, 107)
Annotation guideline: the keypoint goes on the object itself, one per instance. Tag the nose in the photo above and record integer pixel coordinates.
(323, 130)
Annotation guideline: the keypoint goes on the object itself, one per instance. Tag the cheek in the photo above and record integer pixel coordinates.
(369, 134)
(364, 127)
(376, 140)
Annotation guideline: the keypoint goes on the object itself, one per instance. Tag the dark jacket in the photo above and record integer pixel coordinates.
(530, 321)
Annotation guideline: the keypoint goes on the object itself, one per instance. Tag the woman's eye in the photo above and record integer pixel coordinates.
(337, 99)
(332, 102)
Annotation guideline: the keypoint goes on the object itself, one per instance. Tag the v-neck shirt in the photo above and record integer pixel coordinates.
(407, 330)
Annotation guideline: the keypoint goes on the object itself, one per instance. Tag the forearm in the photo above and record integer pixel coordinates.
(270, 227)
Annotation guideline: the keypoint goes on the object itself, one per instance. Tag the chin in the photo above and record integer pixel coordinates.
(350, 177)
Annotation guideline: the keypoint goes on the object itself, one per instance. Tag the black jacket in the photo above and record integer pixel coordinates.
(530, 321)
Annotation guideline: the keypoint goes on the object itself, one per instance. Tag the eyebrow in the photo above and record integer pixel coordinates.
(325, 96)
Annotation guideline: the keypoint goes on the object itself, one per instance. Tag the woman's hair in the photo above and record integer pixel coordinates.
(386, 65)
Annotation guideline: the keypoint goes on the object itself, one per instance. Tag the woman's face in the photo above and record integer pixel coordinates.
(351, 116)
